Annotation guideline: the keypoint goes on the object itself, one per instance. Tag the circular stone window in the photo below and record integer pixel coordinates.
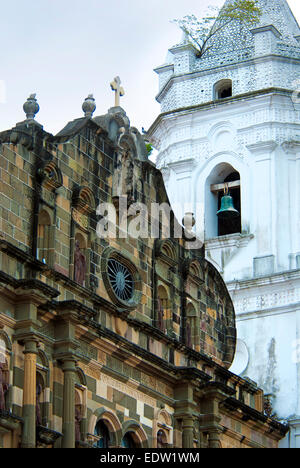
(121, 280)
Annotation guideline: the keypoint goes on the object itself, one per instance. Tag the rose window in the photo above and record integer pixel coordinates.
(121, 280)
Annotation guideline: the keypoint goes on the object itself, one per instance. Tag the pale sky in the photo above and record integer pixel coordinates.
(64, 50)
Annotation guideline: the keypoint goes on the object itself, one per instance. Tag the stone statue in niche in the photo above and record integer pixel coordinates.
(3, 387)
(79, 265)
(160, 439)
(39, 390)
(123, 176)
(78, 420)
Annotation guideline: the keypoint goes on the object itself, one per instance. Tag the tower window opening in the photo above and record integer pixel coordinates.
(223, 89)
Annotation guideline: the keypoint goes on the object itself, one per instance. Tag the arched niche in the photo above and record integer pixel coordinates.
(83, 200)
(50, 176)
(162, 429)
(166, 251)
(81, 259)
(191, 327)
(123, 176)
(161, 439)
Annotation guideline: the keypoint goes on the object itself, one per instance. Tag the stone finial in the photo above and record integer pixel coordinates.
(31, 107)
(89, 106)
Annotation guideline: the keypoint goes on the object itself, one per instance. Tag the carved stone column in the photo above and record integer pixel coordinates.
(213, 394)
(214, 439)
(68, 428)
(188, 432)
(29, 395)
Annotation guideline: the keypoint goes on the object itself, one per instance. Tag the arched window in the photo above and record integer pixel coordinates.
(102, 435)
(191, 326)
(127, 441)
(222, 89)
(44, 238)
(163, 310)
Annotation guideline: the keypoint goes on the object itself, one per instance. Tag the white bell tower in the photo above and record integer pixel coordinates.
(232, 119)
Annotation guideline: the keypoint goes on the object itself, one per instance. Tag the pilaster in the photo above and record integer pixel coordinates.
(68, 427)
(29, 394)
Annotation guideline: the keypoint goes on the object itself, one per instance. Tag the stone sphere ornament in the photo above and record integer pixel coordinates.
(31, 107)
(89, 106)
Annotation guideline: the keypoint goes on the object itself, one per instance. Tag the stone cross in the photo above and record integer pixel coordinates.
(119, 91)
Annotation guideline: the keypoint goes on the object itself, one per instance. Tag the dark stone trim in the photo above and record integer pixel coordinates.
(22, 256)
(233, 404)
(28, 284)
(219, 386)
(75, 306)
(38, 285)
(192, 373)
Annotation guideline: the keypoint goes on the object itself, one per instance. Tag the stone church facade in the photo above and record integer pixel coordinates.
(231, 119)
(109, 342)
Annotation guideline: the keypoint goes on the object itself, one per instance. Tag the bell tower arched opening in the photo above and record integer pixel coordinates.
(223, 179)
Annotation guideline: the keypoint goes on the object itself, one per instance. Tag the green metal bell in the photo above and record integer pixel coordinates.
(227, 210)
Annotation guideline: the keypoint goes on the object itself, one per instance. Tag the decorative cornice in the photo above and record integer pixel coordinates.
(249, 413)
(75, 306)
(21, 255)
(22, 285)
(215, 104)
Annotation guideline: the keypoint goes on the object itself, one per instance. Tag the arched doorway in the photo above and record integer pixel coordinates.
(128, 441)
(103, 438)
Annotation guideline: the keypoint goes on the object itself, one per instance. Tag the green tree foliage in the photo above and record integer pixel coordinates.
(149, 149)
(201, 31)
